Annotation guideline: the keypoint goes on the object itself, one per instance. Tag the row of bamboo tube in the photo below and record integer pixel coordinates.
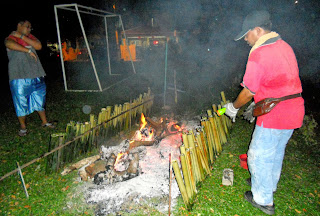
(199, 149)
(88, 135)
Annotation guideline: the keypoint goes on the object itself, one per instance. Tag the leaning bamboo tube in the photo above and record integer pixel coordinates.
(228, 121)
(219, 136)
(203, 159)
(224, 122)
(185, 140)
(188, 159)
(210, 136)
(220, 129)
(201, 144)
(209, 139)
(223, 97)
(221, 119)
(204, 143)
(183, 152)
(192, 139)
(195, 165)
(194, 160)
(204, 163)
(186, 176)
(209, 131)
(214, 130)
(181, 185)
(182, 149)
(192, 174)
(219, 124)
(201, 163)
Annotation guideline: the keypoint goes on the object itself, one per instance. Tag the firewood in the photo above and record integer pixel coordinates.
(96, 167)
(79, 164)
(134, 164)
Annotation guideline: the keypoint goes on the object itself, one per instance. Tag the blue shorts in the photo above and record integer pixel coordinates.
(28, 95)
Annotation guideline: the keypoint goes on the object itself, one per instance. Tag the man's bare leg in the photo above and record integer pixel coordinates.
(43, 117)
(22, 121)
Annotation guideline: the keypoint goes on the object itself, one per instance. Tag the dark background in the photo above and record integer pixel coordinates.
(208, 29)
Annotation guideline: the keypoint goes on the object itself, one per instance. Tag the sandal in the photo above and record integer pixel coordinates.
(49, 125)
(23, 132)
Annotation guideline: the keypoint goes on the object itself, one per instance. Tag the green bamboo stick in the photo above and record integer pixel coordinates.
(186, 176)
(181, 185)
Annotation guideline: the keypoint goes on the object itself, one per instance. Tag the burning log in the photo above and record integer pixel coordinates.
(96, 167)
(135, 144)
(80, 164)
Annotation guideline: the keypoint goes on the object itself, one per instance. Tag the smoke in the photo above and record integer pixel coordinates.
(209, 59)
(206, 59)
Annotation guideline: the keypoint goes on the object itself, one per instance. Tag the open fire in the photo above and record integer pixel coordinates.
(141, 171)
(122, 162)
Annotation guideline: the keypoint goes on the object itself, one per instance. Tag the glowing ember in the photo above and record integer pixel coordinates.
(177, 127)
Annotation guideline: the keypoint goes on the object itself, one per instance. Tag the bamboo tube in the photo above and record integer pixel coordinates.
(219, 124)
(185, 140)
(203, 159)
(220, 128)
(209, 139)
(205, 164)
(183, 152)
(200, 163)
(127, 115)
(183, 149)
(223, 122)
(223, 97)
(192, 174)
(179, 180)
(214, 130)
(195, 165)
(228, 121)
(186, 176)
(204, 142)
(191, 139)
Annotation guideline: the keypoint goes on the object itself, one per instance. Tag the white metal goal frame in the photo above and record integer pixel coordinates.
(95, 12)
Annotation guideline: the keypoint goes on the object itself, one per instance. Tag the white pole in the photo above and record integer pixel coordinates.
(60, 48)
(124, 33)
(89, 51)
(107, 39)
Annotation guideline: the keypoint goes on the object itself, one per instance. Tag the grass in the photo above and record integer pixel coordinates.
(53, 194)
(298, 190)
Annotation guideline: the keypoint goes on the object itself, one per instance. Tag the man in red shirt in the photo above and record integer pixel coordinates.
(271, 72)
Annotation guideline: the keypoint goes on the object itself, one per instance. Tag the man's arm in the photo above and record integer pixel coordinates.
(244, 97)
(11, 44)
(35, 43)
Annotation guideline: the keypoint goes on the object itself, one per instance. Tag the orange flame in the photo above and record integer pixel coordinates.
(151, 135)
(143, 121)
(118, 158)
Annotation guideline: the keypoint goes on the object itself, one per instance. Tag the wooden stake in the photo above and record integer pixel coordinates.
(170, 181)
(22, 180)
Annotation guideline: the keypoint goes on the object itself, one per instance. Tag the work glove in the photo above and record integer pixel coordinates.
(231, 111)
(248, 113)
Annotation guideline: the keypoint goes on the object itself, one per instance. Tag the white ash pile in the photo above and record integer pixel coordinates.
(151, 182)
